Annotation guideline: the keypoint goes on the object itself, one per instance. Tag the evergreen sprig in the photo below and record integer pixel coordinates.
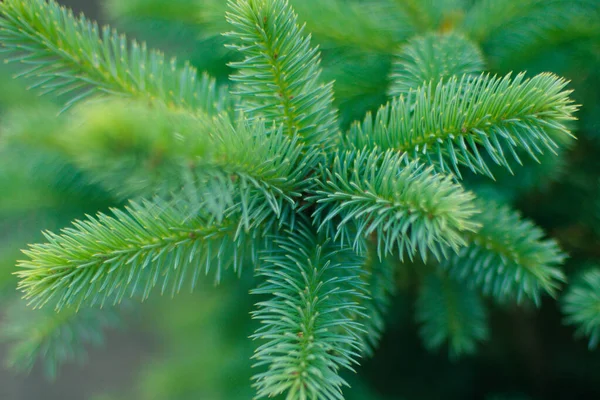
(452, 313)
(431, 58)
(581, 304)
(102, 259)
(73, 57)
(136, 150)
(508, 257)
(279, 77)
(309, 321)
(449, 124)
(407, 208)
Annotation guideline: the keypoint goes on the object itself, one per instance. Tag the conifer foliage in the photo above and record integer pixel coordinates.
(260, 176)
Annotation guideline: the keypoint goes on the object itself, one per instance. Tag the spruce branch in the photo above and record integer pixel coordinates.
(53, 338)
(432, 58)
(450, 124)
(452, 313)
(407, 207)
(165, 243)
(71, 56)
(581, 305)
(279, 77)
(135, 150)
(309, 321)
(508, 258)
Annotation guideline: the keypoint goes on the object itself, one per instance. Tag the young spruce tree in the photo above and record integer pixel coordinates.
(264, 177)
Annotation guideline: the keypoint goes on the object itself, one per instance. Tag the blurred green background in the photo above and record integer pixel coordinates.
(194, 347)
